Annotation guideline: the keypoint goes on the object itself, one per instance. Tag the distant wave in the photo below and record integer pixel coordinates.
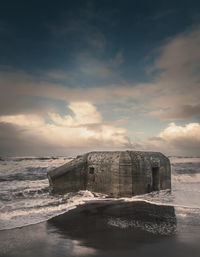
(24, 194)
(32, 158)
(47, 208)
(22, 177)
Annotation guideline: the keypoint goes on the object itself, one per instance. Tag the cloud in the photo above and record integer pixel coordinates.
(163, 14)
(33, 121)
(24, 90)
(177, 140)
(179, 54)
(81, 30)
(183, 139)
(95, 68)
(172, 95)
(15, 142)
(156, 139)
(178, 82)
(84, 113)
(84, 130)
(98, 70)
(181, 112)
(117, 60)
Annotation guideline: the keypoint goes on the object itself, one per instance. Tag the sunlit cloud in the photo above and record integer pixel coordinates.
(84, 129)
(84, 113)
(181, 140)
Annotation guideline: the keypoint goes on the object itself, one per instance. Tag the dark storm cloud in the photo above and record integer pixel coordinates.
(23, 104)
(164, 14)
(183, 112)
(80, 31)
(17, 96)
(179, 77)
(87, 26)
(14, 142)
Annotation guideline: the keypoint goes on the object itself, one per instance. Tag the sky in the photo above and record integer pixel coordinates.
(91, 75)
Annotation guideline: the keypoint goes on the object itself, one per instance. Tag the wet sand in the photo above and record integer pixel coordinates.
(101, 228)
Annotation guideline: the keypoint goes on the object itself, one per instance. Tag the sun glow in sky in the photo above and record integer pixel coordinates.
(78, 76)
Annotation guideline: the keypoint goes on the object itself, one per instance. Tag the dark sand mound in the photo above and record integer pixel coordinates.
(101, 224)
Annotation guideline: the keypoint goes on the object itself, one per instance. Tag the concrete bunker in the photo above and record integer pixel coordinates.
(119, 173)
(91, 170)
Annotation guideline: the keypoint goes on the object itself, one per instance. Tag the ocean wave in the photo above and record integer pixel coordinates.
(11, 218)
(175, 198)
(23, 184)
(19, 159)
(26, 194)
(184, 159)
(33, 169)
(31, 192)
(186, 178)
(28, 173)
(53, 206)
(21, 189)
(186, 168)
(22, 177)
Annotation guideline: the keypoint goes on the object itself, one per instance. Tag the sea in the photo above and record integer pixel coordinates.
(25, 198)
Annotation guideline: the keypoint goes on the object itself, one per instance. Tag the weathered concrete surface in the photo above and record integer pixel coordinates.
(120, 173)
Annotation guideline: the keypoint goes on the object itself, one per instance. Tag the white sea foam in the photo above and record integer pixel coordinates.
(24, 196)
(175, 159)
(44, 209)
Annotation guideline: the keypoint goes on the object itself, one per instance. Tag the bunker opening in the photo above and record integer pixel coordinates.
(155, 179)
(91, 170)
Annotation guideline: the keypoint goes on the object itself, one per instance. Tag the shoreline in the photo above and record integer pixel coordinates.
(100, 228)
(85, 229)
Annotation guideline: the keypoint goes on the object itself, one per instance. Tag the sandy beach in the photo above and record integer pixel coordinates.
(101, 228)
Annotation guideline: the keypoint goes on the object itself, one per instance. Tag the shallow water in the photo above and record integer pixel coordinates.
(25, 200)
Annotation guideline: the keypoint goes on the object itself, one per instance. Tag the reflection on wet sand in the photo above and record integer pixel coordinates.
(115, 224)
(103, 229)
